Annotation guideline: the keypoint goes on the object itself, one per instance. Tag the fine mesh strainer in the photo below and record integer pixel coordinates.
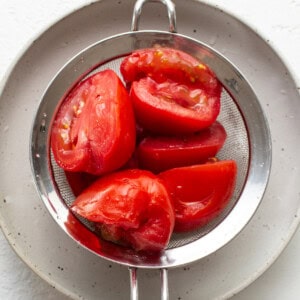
(248, 143)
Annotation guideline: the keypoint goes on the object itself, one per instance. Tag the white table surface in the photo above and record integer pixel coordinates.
(277, 20)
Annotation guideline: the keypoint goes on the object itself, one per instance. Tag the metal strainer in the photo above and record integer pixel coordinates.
(248, 143)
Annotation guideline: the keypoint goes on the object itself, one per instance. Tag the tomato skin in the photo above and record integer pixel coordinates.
(171, 108)
(200, 192)
(94, 128)
(163, 64)
(159, 153)
(131, 207)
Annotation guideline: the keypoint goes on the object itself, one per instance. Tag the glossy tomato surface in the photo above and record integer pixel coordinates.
(162, 64)
(172, 92)
(172, 108)
(130, 207)
(159, 153)
(94, 128)
(200, 192)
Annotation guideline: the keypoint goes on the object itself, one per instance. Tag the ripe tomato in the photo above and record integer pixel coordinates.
(162, 64)
(79, 181)
(159, 153)
(81, 232)
(172, 92)
(172, 108)
(94, 128)
(130, 207)
(200, 192)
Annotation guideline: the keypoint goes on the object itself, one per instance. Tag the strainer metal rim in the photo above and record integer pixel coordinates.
(235, 84)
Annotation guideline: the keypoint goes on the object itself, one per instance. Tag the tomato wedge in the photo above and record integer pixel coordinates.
(159, 153)
(172, 92)
(130, 207)
(172, 108)
(94, 128)
(79, 181)
(162, 64)
(81, 232)
(200, 192)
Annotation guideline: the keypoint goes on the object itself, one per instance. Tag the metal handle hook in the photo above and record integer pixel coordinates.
(138, 9)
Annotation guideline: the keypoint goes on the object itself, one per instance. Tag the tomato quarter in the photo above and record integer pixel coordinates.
(130, 207)
(171, 108)
(159, 153)
(200, 192)
(94, 128)
(172, 92)
(162, 64)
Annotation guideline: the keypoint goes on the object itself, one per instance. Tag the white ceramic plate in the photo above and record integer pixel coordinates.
(80, 274)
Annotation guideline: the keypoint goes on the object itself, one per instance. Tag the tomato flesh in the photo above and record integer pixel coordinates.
(130, 207)
(94, 128)
(200, 192)
(165, 108)
(162, 64)
(159, 153)
(172, 92)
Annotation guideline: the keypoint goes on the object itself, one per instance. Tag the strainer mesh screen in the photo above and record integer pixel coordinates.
(236, 147)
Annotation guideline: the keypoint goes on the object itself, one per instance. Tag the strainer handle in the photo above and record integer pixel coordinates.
(138, 9)
(134, 293)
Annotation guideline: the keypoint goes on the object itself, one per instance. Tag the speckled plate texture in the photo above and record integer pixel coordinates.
(82, 275)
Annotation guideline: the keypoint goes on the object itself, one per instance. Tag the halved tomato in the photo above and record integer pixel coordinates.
(159, 153)
(94, 128)
(130, 207)
(200, 192)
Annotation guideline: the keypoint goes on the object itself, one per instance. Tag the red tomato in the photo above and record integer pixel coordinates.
(94, 129)
(79, 181)
(81, 232)
(159, 153)
(130, 207)
(200, 192)
(163, 64)
(173, 108)
(172, 92)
